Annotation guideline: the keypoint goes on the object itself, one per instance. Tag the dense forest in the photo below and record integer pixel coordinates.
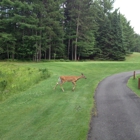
(64, 29)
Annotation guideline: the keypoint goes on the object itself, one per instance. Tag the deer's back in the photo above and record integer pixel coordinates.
(68, 78)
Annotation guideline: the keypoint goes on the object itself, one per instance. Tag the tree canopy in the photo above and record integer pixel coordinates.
(64, 29)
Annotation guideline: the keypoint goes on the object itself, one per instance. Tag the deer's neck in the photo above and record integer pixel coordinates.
(79, 77)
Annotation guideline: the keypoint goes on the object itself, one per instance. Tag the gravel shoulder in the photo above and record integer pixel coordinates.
(118, 110)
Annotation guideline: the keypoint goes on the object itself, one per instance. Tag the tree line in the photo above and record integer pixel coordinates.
(64, 29)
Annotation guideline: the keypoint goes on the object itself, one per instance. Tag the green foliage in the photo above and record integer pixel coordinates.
(79, 29)
(72, 29)
(14, 79)
(3, 84)
(44, 73)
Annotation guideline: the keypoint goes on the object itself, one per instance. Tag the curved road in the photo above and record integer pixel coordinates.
(118, 110)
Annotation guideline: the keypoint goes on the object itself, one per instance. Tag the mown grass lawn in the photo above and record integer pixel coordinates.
(133, 84)
(41, 113)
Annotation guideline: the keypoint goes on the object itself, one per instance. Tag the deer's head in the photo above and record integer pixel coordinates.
(83, 76)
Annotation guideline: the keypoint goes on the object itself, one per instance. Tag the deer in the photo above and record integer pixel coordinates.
(73, 79)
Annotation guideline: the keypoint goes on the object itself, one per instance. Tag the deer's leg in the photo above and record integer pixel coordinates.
(74, 84)
(62, 86)
(59, 82)
(56, 85)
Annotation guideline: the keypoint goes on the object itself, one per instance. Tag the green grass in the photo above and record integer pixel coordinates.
(15, 78)
(41, 113)
(135, 57)
(133, 84)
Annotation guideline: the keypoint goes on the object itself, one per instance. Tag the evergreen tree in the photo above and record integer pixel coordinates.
(7, 38)
(73, 29)
(52, 33)
(136, 47)
(109, 40)
(118, 50)
(79, 28)
(19, 19)
(128, 34)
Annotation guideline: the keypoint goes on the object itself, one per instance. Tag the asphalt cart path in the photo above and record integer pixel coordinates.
(118, 110)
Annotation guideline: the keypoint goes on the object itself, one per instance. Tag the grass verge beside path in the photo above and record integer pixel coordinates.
(133, 84)
(41, 113)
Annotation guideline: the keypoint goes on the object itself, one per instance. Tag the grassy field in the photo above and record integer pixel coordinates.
(41, 113)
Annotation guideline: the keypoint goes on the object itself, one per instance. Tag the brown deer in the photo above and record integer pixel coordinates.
(73, 79)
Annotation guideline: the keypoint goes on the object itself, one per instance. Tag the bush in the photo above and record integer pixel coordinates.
(14, 79)
(3, 84)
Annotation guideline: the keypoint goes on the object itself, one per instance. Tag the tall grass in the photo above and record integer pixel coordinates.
(41, 113)
(15, 78)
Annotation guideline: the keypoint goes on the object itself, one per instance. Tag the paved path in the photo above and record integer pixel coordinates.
(118, 110)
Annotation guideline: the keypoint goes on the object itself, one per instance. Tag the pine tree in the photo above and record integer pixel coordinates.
(79, 27)
(103, 35)
(128, 34)
(20, 23)
(7, 38)
(136, 47)
(52, 34)
(109, 35)
(118, 50)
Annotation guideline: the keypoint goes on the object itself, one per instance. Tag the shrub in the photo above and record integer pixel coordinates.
(14, 79)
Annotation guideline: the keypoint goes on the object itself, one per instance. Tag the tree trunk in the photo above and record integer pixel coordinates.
(75, 51)
(72, 51)
(39, 53)
(13, 53)
(77, 32)
(50, 52)
(45, 55)
(68, 48)
(7, 52)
